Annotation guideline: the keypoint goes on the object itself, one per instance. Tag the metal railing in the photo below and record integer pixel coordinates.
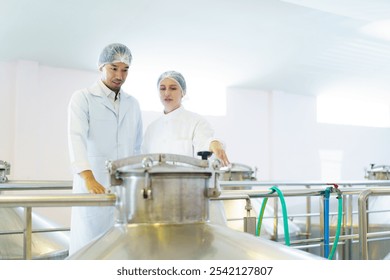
(34, 200)
(363, 219)
(363, 189)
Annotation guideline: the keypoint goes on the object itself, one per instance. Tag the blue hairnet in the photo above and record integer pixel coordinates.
(114, 53)
(176, 76)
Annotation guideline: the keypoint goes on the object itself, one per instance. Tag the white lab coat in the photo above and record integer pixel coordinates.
(179, 132)
(96, 133)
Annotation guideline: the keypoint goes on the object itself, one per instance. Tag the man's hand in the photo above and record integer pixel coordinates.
(92, 185)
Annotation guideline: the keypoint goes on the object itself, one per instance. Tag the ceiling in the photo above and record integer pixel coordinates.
(297, 46)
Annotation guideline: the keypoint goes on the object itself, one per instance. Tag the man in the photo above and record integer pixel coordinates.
(104, 123)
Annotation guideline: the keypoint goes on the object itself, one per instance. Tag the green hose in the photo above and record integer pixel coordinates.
(285, 217)
(338, 229)
(261, 214)
(284, 211)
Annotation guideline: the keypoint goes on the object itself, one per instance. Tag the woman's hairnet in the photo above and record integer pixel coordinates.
(114, 53)
(176, 76)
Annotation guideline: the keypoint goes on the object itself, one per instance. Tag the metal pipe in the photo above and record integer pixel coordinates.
(248, 205)
(347, 225)
(230, 197)
(14, 185)
(27, 236)
(289, 193)
(276, 220)
(363, 227)
(308, 217)
(9, 232)
(58, 200)
(303, 183)
(266, 193)
(322, 223)
(385, 235)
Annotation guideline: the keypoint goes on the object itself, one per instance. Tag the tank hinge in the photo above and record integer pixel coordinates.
(215, 190)
(147, 190)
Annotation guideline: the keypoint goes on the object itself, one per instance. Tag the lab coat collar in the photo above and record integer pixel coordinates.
(108, 91)
(174, 113)
(102, 91)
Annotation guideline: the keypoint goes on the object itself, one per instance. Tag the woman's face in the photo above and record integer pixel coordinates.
(170, 95)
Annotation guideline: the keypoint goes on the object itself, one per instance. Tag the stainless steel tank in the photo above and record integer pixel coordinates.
(238, 172)
(162, 213)
(232, 212)
(378, 172)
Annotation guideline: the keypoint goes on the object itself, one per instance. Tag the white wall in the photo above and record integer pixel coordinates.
(246, 129)
(34, 101)
(293, 139)
(33, 118)
(7, 110)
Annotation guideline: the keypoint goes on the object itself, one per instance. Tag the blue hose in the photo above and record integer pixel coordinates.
(326, 221)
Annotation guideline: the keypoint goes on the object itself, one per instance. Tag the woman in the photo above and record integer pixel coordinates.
(179, 131)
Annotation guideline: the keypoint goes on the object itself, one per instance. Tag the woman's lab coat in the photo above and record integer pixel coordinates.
(96, 134)
(179, 132)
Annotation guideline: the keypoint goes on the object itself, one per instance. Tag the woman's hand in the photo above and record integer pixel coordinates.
(217, 148)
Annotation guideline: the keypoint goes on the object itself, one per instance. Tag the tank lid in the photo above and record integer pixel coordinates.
(237, 167)
(159, 163)
(163, 168)
(379, 168)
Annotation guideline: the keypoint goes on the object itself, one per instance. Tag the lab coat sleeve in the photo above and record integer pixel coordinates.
(203, 135)
(78, 123)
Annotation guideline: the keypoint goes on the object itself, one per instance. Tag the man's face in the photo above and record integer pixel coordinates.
(114, 75)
